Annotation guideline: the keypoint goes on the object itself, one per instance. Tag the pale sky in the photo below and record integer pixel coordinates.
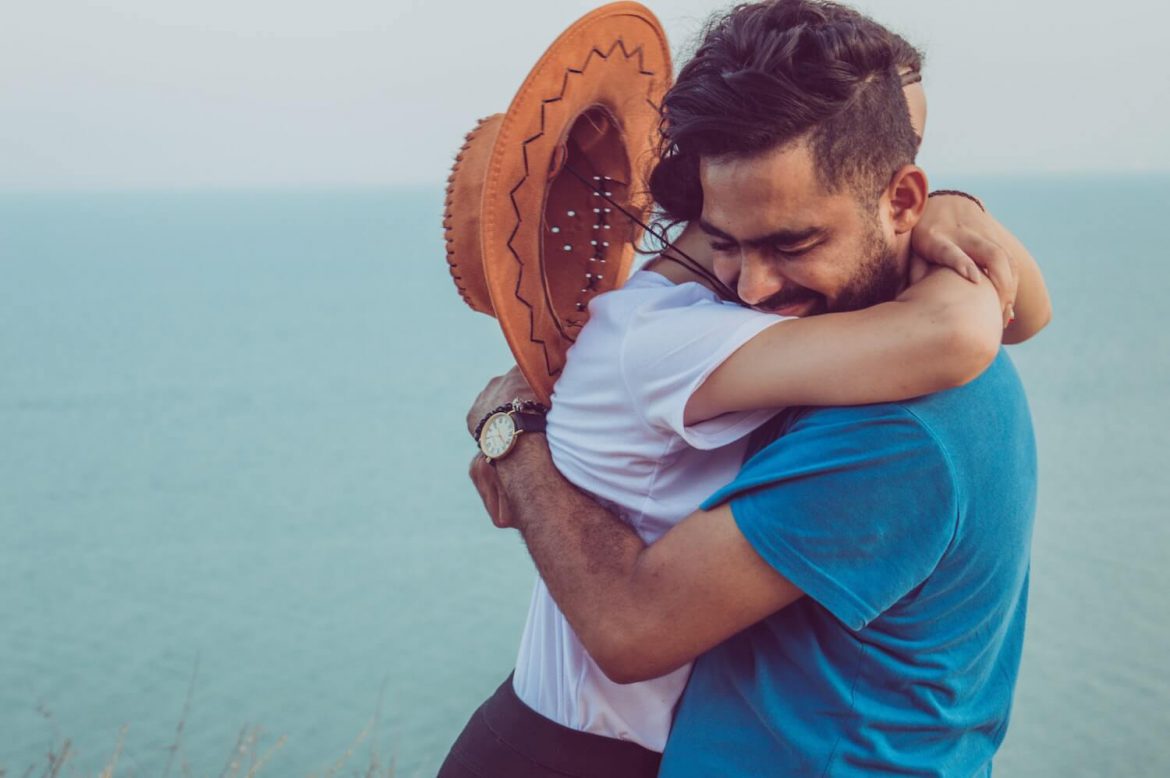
(127, 94)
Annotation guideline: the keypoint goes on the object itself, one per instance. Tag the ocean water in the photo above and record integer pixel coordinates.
(233, 491)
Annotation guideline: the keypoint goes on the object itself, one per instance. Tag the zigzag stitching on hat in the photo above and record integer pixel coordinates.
(619, 43)
(578, 71)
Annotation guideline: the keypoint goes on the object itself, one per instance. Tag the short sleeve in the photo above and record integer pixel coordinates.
(668, 353)
(854, 506)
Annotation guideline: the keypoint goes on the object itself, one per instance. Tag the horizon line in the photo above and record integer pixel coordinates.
(354, 187)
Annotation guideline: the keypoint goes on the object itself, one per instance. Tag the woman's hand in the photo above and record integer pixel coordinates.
(956, 233)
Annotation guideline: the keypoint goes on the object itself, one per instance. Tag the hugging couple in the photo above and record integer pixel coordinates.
(781, 504)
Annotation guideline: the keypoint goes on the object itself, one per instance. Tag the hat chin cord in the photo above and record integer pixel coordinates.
(682, 259)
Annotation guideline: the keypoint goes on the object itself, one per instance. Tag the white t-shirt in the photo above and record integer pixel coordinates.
(616, 430)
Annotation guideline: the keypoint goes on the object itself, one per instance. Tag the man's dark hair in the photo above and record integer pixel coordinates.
(769, 73)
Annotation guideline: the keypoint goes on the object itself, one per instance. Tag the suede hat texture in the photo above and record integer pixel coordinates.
(534, 220)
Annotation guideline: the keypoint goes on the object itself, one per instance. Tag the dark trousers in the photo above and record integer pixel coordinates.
(507, 739)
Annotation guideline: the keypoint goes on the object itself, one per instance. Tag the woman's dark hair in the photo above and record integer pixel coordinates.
(770, 73)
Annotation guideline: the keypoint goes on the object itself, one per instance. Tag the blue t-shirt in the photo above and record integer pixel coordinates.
(908, 526)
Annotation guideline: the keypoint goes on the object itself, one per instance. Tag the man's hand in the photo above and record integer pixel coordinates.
(487, 482)
(956, 233)
(501, 390)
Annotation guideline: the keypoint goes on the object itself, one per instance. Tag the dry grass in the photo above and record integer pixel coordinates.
(248, 757)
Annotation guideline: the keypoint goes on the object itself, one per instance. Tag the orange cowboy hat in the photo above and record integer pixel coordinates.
(539, 199)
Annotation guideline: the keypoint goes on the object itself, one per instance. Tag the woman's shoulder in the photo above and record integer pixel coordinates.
(647, 292)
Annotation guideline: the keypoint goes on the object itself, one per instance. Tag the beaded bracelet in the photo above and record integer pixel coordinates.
(529, 406)
(957, 193)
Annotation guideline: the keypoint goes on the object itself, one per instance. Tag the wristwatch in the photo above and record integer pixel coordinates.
(498, 431)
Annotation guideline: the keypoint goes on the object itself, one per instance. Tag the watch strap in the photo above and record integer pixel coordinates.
(529, 422)
(528, 407)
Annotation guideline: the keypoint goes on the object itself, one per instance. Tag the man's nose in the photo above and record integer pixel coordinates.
(757, 280)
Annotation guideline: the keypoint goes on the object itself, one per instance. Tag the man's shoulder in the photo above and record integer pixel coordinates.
(985, 416)
(952, 435)
(948, 418)
(843, 445)
(809, 424)
(872, 428)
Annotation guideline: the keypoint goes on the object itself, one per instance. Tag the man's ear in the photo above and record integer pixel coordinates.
(907, 197)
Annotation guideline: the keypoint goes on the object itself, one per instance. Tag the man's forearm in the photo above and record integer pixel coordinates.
(587, 556)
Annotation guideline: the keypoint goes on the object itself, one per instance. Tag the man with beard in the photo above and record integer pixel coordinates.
(854, 601)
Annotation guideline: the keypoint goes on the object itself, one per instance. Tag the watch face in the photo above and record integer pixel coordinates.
(497, 435)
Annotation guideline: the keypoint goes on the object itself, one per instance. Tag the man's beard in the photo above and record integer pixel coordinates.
(879, 279)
